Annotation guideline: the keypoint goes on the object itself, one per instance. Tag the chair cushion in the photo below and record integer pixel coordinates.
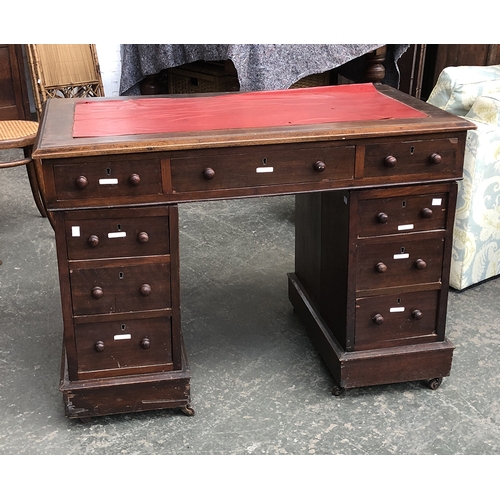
(458, 87)
(486, 109)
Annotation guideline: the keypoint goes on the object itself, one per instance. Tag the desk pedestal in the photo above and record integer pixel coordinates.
(371, 282)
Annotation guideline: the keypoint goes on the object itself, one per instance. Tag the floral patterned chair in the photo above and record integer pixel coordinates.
(473, 92)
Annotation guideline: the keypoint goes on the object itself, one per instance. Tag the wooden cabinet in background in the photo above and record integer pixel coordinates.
(14, 103)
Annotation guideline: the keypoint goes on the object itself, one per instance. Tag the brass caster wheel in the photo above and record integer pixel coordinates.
(338, 391)
(188, 410)
(434, 383)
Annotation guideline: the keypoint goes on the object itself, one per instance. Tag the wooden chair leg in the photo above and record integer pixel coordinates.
(35, 189)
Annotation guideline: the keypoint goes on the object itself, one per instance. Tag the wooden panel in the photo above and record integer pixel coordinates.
(388, 320)
(402, 214)
(124, 347)
(14, 104)
(121, 287)
(413, 157)
(122, 178)
(467, 55)
(401, 256)
(117, 233)
(262, 167)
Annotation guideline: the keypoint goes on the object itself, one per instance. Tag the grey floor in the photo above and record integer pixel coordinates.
(258, 386)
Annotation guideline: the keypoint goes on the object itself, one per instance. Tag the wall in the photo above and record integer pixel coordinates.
(110, 63)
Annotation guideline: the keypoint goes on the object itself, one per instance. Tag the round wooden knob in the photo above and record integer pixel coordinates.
(93, 240)
(134, 179)
(417, 314)
(99, 346)
(382, 217)
(390, 161)
(81, 182)
(435, 158)
(420, 264)
(97, 292)
(426, 213)
(378, 319)
(319, 166)
(209, 173)
(381, 267)
(145, 289)
(145, 343)
(143, 237)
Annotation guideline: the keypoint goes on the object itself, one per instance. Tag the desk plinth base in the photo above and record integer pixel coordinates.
(427, 362)
(128, 394)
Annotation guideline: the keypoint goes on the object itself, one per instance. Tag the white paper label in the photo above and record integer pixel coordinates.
(405, 227)
(75, 231)
(401, 255)
(123, 336)
(120, 234)
(436, 201)
(108, 181)
(264, 170)
(396, 309)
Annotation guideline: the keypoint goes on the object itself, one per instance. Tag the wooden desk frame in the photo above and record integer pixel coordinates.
(334, 169)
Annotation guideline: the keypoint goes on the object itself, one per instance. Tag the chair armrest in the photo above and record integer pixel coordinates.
(486, 109)
(458, 87)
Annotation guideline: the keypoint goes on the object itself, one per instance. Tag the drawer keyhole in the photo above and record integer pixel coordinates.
(412, 150)
(120, 275)
(403, 204)
(108, 171)
(264, 161)
(403, 249)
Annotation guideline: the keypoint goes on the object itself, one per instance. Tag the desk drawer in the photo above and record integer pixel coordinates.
(404, 214)
(124, 347)
(388, 320)
(261, 167)
(402, 261)
(114, 288)
(434, 158)
(123, 178)
(117, 233)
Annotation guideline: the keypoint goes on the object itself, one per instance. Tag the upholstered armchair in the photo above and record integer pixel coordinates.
(473, 92)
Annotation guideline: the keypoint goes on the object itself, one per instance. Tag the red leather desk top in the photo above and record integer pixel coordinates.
(277, 108)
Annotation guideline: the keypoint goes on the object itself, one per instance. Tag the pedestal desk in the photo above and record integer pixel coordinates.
(374, 173)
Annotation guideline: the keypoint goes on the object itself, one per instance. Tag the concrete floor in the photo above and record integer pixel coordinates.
(258, 386)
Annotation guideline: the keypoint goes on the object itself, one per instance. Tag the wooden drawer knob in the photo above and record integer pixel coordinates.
(99, 346)
(134, 179)
(426, 213)
(381, 267)
(417, 314)
(382, 217)
(97, 292)
(93, 240)
(209, 173)
(143, 237)
(145, 289)
(435, 158)
(319, 166)
(420, 264)
(390, 161)
(81, 182)
(145, 343)
(378, 319)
